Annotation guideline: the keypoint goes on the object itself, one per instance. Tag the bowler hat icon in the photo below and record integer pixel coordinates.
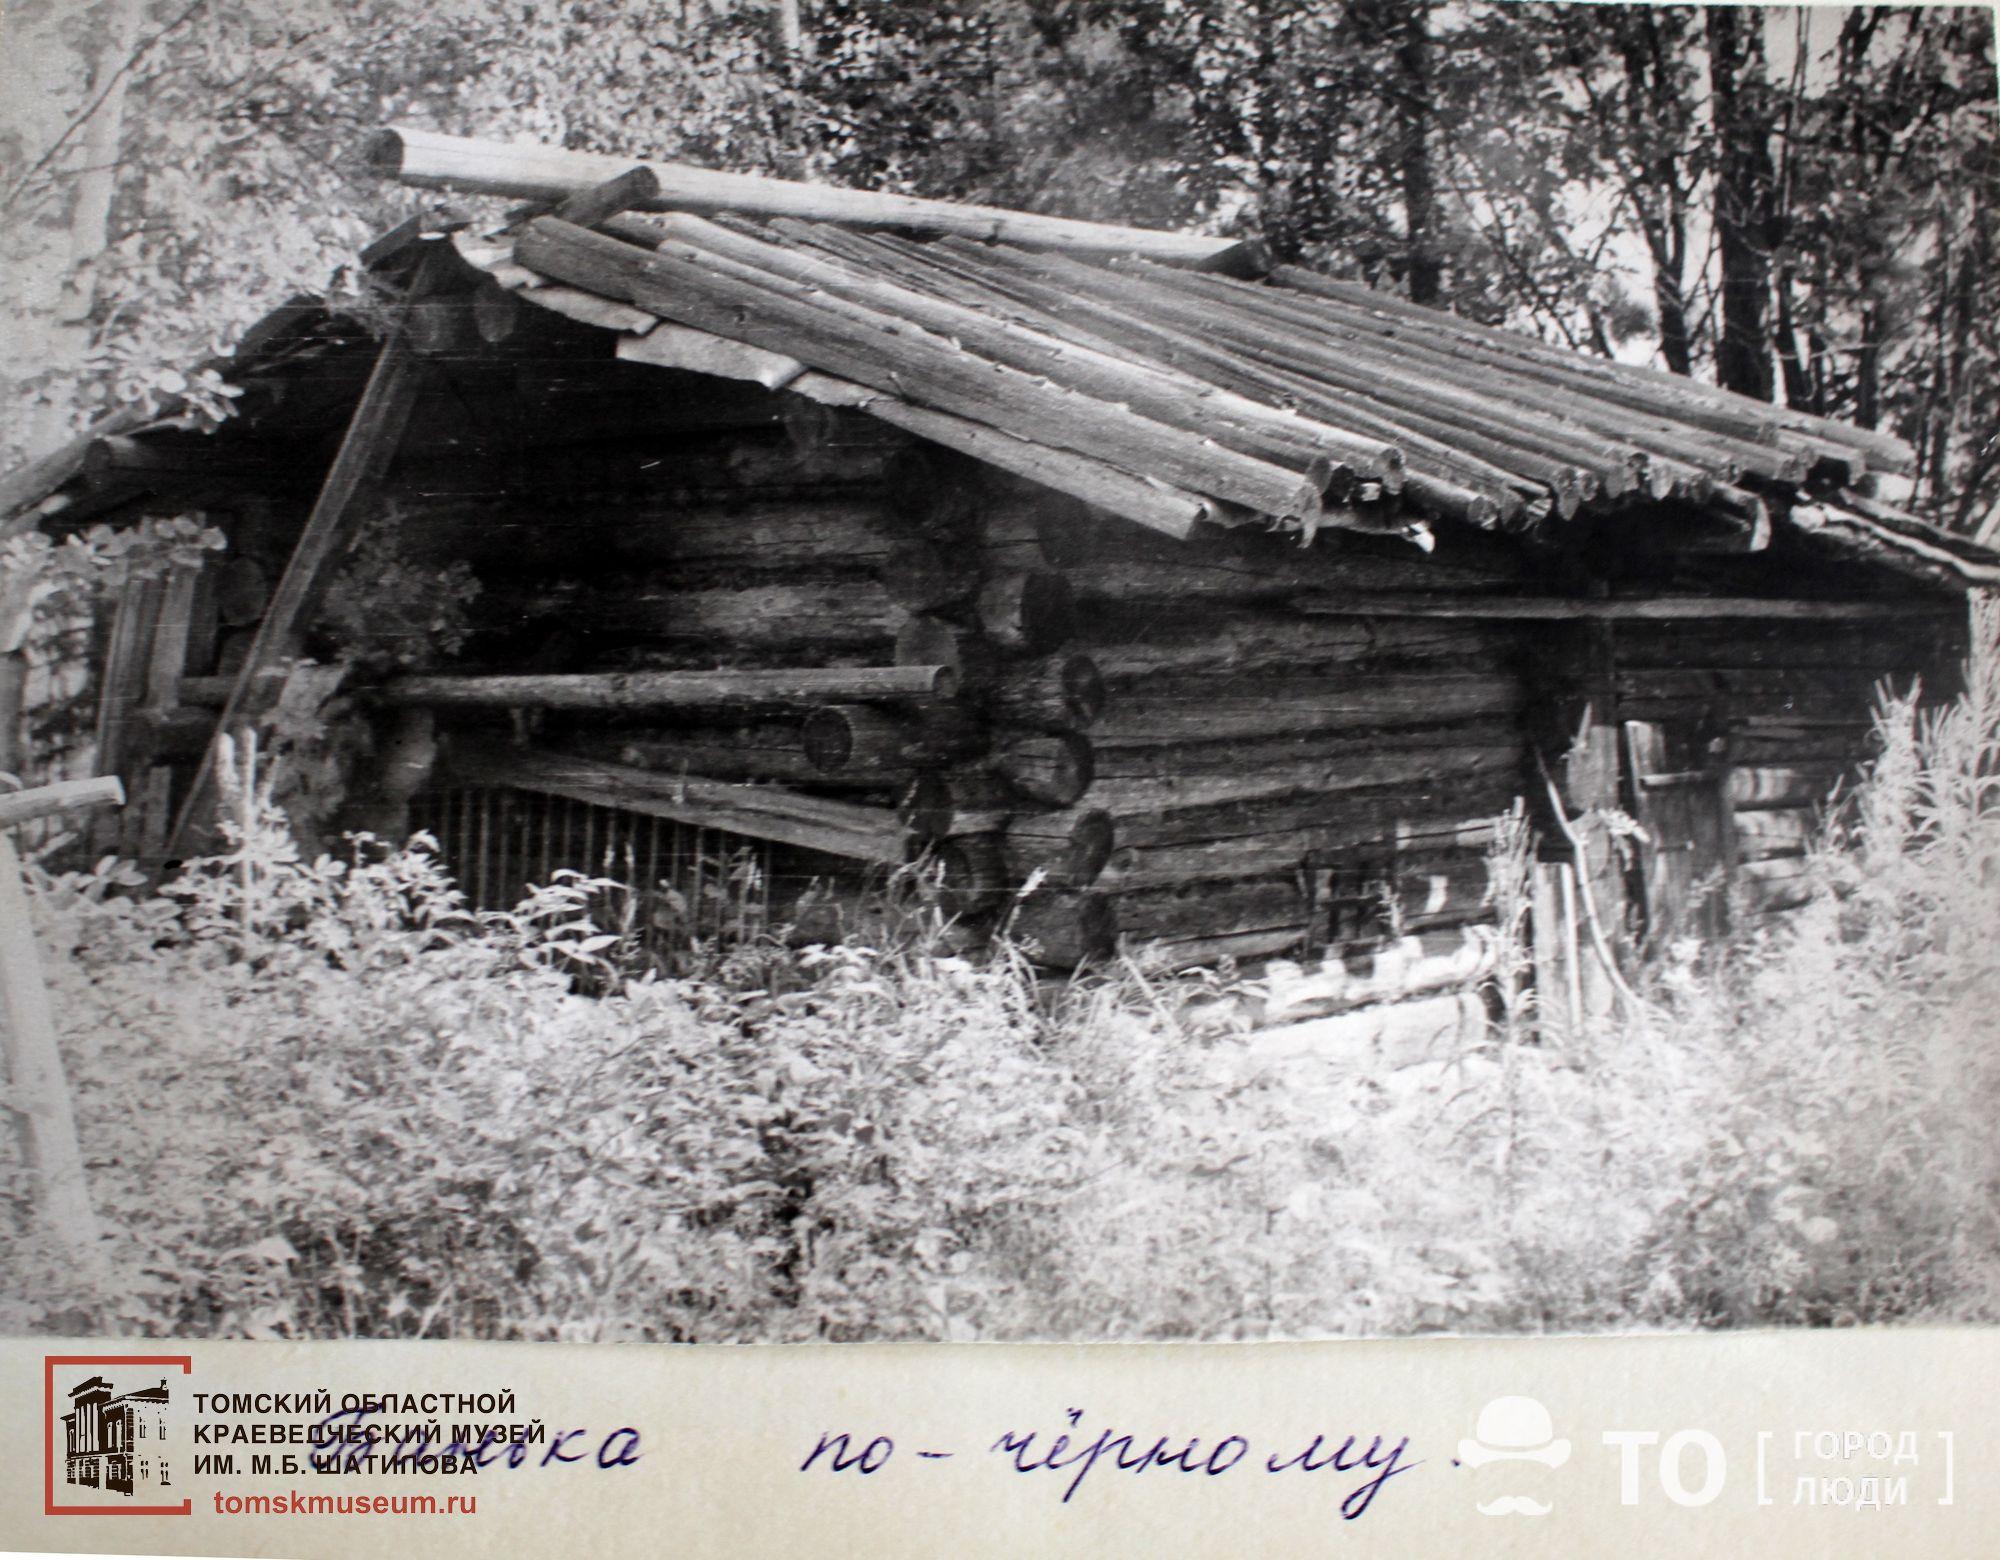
(1513, 1429)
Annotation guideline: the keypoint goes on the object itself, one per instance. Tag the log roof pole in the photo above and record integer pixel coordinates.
(373, 432)
(429, 160)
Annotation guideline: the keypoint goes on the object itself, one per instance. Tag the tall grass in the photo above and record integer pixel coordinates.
(322, 1097)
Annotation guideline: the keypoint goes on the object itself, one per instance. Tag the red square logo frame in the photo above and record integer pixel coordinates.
(182, 1362)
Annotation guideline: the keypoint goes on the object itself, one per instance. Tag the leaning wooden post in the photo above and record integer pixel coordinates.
(373, 432)
(38, 1094)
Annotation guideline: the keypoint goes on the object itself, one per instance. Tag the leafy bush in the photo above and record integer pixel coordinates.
(321, 1097)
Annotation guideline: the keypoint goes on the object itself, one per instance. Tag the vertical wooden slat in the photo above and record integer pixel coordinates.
(649, 888)
(204, 623)
(168, 661)
(143, 830)
(1573, 941)
(155, 814)
(122, 698)
(1680, 798)
(481, 851)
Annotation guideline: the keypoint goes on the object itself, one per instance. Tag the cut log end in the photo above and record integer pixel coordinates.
(844, 737)
(1069, 850)
(1061, 693)
(1051, 767)
(972, 874)
(382, 153)
(1065, 929)
(1028, 612)
(1083, 688)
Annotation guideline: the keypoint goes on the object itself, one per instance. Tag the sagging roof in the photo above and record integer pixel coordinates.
(1171, 379)
(1130, 369)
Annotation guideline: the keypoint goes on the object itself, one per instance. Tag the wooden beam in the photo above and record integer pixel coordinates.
(428, 160)
(60, 796)
(182, 460)
(127, 664)
(676, 690)
(1629, 609)
(1159, 507)
(767, 812)
(373, 431)
(600, 202)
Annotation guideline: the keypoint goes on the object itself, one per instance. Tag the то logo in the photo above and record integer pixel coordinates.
(1513, 1429)
(109, 1446)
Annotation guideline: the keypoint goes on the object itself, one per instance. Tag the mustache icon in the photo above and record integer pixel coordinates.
(1515, 1506)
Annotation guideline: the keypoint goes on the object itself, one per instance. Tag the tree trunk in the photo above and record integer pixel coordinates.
(1743, 198)
(1413, 123)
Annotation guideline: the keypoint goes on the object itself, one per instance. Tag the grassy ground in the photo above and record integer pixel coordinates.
(318, 1098)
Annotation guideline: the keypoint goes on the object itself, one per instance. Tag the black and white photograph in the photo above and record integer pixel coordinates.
(819, 671)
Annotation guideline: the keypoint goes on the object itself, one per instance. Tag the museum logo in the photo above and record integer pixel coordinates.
(109, 1442)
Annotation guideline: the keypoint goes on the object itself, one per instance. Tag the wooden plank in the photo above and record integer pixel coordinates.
(666, 345)
(1557, 948)
(1158, 506)
(172, 637)
(873, 834)
(127, 662)
(373, 432)
(13, 698)
(1680, 799)
(60, 796)
(621, 192)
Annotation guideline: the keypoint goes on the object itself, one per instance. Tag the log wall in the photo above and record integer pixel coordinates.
(1140, 734)
(1229, 745)
(1788, 708)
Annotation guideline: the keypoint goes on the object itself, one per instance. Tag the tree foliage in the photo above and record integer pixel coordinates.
(1803, 199)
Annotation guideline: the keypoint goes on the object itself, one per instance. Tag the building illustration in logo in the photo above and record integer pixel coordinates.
(117, 1441)
(1513, 1429)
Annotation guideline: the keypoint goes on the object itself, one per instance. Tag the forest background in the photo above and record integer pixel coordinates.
(1799, 203)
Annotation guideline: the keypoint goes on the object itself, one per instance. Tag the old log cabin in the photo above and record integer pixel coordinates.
(1141, 592)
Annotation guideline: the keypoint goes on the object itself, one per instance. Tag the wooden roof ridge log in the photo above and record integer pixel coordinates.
(430, 160)
(900, 359)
